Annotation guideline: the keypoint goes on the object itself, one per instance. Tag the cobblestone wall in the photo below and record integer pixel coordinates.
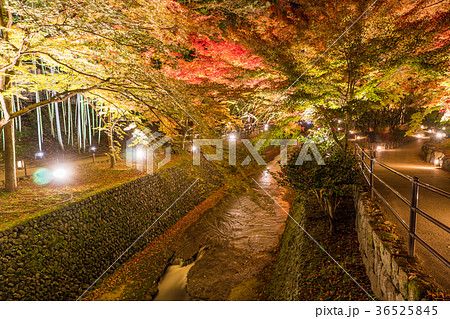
(58, 255)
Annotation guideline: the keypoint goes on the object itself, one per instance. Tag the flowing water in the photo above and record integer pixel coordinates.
(229, 246)
(172, 285)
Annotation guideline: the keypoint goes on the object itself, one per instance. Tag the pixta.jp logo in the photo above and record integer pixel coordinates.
(145, 151)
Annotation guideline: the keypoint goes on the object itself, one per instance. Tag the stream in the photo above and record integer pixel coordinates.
(223, 253)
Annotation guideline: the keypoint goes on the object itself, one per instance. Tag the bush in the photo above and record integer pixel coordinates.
(328, 183)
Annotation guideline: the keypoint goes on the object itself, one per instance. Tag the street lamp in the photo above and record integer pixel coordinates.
(438, 162)
(93, 149)
(39, 155)
(379, 148)
(20, 164)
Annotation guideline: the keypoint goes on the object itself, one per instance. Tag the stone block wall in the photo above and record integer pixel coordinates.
(58, 255)
(431, 153)
(392, 274)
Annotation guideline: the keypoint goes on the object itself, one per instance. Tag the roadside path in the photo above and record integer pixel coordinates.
(406, 159)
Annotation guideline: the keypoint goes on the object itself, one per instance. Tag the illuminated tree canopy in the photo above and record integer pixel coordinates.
(207, 63)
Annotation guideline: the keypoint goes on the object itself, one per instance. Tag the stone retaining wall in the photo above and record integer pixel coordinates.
(57, 256)
(430, 153)
(392, 274)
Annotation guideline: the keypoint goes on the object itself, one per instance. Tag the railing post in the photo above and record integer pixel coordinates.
(371, 177)
(413, 215)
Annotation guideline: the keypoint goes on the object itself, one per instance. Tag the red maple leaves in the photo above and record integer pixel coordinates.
(220, 61)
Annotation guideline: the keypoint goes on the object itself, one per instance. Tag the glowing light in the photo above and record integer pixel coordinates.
(140, 155)
(430, 131)
(358, 137)
(422, 127)
(60, 173)
(266, 127)
(440, 135)
(379, 148)
(420, 135)
(92, 148)
(194, 148)
(20, 164)
(232, 137)
(351, 132)
(444, 128)
(339, 121)
(39, 155)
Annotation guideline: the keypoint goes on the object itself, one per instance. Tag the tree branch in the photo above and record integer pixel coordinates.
(434, 4)
(54, 99)
(10, 17)
(65, 65)
(17, 57)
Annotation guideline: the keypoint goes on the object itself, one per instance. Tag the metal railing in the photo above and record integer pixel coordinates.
(367, 170)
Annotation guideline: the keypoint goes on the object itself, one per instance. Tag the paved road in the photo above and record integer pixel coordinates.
(406, 160)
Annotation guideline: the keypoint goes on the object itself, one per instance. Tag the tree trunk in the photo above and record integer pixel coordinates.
(10, 147)
(330, 213)
(112, 150)
(332, 228)
(10, 152)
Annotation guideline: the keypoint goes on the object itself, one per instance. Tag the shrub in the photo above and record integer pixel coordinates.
(328, 183)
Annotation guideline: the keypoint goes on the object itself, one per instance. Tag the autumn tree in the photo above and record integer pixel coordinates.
(341, 58)
(98, 48)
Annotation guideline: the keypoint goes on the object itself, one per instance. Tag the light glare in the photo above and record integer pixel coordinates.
(60, 173)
